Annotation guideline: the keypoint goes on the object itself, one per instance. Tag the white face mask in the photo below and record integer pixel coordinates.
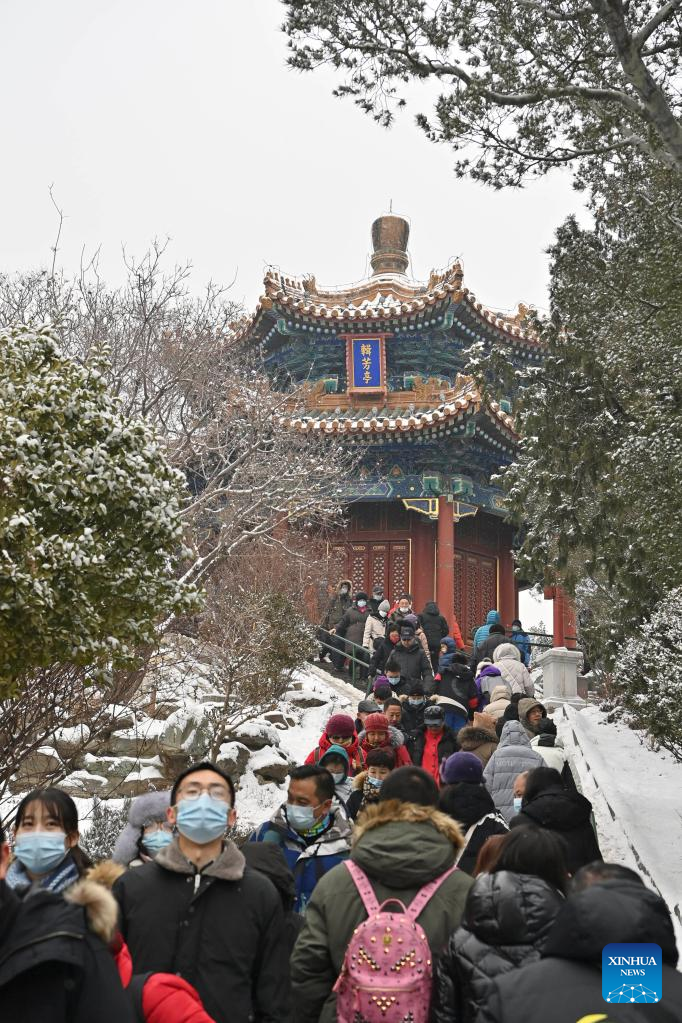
(383, 614)
(362, 603)
(338, 776)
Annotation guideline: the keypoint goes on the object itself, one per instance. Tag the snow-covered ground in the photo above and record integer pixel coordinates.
(636, 794)
(256, 802)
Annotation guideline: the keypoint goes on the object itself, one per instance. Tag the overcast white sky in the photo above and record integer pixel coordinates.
(157, 118)
(180, 119)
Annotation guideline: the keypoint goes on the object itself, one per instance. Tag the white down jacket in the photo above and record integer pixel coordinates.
(507, 658)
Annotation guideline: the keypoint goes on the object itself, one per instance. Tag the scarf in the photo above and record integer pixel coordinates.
(62, 877)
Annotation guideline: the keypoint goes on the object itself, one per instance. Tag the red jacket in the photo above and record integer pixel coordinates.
(355, 754)
(457, 635)
(402, 757)
(166, 998)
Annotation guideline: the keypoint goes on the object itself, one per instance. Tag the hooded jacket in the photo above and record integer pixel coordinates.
(146, 809)
(507, 658)
(468, 804)
(55, 966)
(513, 756)
(506, 923)
(482, 633)
(434, 625)
(344, 787)
(414, 666)
(308, 859)
(221, 929)
(401, 847)
(477, 740)
(500, 698)
(568, 815)
(525, 707)
(566, 985)
(521, 640)
(395, 743)
(355, 754)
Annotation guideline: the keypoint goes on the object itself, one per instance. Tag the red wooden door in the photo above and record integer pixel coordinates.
(475, 590)
(375, 563)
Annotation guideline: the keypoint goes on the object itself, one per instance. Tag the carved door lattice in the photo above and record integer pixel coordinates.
(370, 564)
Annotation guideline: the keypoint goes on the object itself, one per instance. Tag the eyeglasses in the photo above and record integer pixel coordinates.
(194, 791)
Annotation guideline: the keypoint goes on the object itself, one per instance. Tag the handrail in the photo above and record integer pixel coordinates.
(351, 656)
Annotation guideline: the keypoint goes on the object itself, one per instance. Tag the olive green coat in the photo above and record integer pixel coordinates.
(401, 847)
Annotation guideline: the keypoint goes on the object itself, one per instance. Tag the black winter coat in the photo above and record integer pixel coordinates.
(382, 651)
(487, 648)
(52, 968)
(565, 985)
(413, 717)
(417, 741)
(222, 930)
(568, 815)
(414, 666)
(434, 625)
(352, 626)
(467, 804)
(457, 682)
(505, 925)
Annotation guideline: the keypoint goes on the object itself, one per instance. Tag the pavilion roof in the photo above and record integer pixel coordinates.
(378, 300)
(464, 400)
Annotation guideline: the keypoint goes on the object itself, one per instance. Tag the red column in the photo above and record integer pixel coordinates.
(445, 564)
(423, 536)
(507, 599)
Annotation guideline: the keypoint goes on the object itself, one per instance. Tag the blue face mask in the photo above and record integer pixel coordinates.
(202, 820)
(518, 801)
(416, 703)
(376, 782)
(301, 818)
(40, 851)
(393, 680)
(156, 841)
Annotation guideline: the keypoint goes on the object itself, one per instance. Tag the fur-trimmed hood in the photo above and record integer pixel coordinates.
(101, 908)
(396, 737)
(148, 808)
(393, 811)
(470, 737)
(359, 780)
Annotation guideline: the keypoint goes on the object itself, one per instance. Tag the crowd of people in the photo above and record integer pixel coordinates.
(432, 860)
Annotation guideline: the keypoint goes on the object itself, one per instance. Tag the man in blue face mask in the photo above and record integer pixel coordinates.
(198, 911)
(313, 834)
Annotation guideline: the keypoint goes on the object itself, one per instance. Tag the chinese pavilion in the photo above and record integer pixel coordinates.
(383, 361)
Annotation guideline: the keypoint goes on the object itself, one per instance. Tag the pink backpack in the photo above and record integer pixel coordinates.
(386, 974)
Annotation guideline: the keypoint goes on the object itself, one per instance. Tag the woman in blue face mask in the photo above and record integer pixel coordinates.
(46, 850)
(147, 831)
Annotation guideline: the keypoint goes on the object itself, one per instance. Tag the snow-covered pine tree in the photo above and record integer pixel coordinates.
(107, 821)
(648, 674)
(90, 525)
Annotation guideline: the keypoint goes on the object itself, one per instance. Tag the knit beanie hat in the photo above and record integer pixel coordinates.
(546, 726)
(407, 630)
(411, 619)
(341, 725)
(376, 723)
(381, 758)
(461, 767)
(484, 721)
(367, 707)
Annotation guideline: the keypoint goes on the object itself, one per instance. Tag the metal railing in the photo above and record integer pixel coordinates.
(349, 651)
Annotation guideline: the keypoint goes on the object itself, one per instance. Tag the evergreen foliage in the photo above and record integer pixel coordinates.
(649, 674)
(598, 478)
(106, 824)
(89, 516)
(523, 86)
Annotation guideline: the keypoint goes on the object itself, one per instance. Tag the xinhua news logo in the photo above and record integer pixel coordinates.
(631, 972)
